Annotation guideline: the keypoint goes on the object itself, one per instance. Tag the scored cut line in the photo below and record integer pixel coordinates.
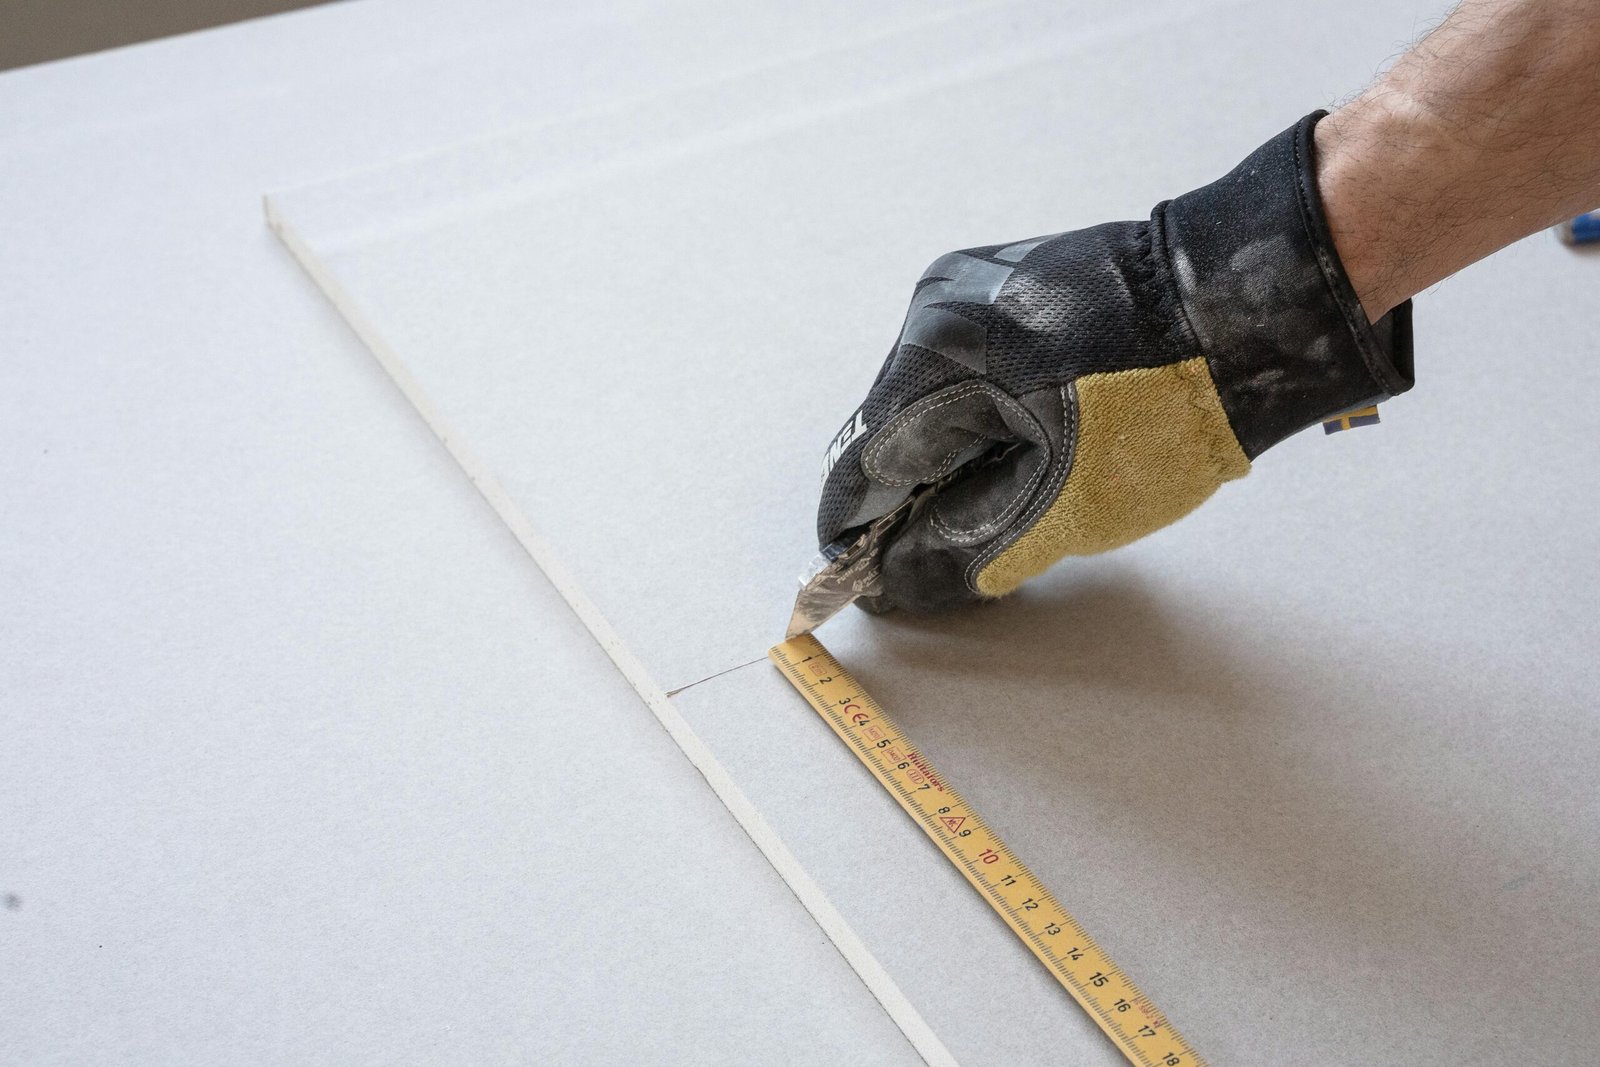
(918, 1032)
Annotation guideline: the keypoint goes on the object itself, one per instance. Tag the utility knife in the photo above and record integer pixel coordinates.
(844, 571)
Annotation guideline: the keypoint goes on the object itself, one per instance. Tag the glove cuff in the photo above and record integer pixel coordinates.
(1268, 301)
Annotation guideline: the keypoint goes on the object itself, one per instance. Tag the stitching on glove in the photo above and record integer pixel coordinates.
(1069, 393)
(999, 520)
(869, 461)
(977, 532)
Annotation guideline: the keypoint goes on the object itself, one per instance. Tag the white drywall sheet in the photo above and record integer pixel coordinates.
(1317, 753)
(293, 734)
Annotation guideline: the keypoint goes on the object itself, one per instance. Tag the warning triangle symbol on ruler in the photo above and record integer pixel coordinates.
(953, 822)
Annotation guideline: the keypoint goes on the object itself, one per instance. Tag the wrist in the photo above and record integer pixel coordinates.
(1355, 149)
(1417, 185)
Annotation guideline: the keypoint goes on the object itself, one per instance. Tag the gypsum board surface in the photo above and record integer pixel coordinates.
(1268, 535)
(339, 831)
(292, 768)
(401, 88)
(662, 73)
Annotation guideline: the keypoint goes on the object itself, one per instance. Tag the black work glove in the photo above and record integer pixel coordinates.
(1073, 393)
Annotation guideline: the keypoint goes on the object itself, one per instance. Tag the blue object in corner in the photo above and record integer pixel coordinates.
(1581, 230)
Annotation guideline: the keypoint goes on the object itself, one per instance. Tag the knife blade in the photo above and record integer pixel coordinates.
(845, 571)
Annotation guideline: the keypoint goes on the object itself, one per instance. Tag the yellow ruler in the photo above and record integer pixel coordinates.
(1126, 1015)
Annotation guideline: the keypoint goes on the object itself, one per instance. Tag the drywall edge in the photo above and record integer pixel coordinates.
(805, 889)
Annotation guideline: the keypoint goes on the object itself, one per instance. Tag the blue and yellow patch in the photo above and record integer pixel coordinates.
(1367, 416)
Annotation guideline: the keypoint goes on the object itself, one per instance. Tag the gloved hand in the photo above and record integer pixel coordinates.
(1079, 391)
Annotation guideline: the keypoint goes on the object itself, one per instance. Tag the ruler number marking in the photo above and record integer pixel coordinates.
(862, 723)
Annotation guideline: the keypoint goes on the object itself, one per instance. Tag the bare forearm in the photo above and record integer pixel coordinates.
(1483, 133)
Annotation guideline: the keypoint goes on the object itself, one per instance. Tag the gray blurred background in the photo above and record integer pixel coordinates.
(33, 31)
